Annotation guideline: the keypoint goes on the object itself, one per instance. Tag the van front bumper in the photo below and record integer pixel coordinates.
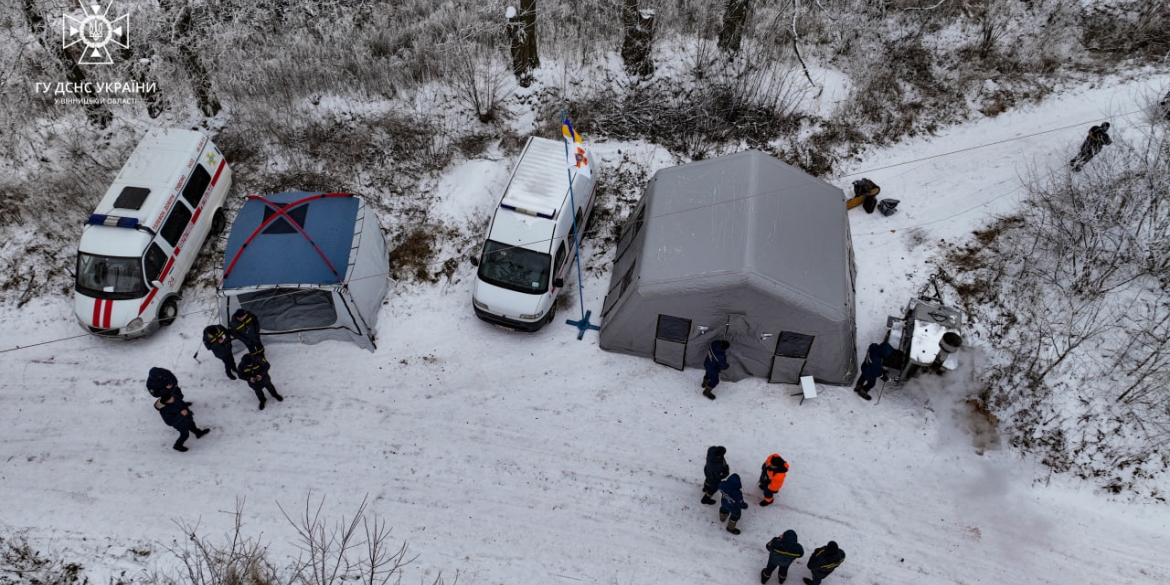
(506, 323)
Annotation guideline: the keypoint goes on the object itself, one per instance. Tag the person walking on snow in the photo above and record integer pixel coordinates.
(782, 551)
(731, 503)
(715, 362)
(177, 414)
(772, 475)
(161, 381)
(714, 471)
(1096, 140)
(823, 561)
(246, 328)
(215, 338)
(254, 369)
(871, 368)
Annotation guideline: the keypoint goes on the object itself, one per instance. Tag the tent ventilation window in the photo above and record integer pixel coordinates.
(131, 198)
(281, 225)
(793, 345)
(632, 229)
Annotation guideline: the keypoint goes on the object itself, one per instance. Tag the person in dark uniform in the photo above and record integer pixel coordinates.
(246, 327)
(871, 368)
(177, 414)
(715, 362)
(714, 471)
(161, 381)
(216, 338)
(1096, 140)
(254, 369)
(823, 561)
(782, 551)
(731, 503)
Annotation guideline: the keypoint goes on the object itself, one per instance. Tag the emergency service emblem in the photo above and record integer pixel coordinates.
(95, 32)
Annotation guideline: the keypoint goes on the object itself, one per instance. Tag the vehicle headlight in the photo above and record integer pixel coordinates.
(476, 302)
(135, 325)
(533, 316)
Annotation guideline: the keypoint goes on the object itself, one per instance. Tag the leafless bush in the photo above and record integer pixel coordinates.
(1075, 292)
(1127, 29)
(357, 549)
(21, 563)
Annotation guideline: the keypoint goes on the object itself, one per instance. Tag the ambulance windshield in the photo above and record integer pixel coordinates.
(514, 268)
(108, 277)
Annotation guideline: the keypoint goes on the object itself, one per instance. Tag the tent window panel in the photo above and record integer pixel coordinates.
(629, 276)
(794, 345)
(283, 309)
(281, 225)
(632, 228)
(176, 223)
(196, 185)
(674, 329)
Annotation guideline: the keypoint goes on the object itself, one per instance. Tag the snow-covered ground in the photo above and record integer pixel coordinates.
(509, 458)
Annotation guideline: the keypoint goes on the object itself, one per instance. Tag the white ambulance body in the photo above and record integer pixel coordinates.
(530, 243)
(143, 237)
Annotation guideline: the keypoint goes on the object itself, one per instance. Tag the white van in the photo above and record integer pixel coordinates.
(530, 242)
(144, 236)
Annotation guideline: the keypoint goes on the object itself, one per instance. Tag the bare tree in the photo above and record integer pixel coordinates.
(521, 29)
(735, 15)
(638, 39)
(97, 112)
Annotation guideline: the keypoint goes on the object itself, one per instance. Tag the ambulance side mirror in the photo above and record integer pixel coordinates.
(474, 260)
(558, 282)
(156, 283)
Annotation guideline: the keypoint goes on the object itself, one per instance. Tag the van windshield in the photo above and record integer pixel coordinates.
(514, 268)
(110, 277)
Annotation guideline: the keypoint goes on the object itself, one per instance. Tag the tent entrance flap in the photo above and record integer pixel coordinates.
(284, 309)
(670, 341)
(788, 360)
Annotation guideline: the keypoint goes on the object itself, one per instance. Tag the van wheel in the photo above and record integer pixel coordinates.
(552, 313)
(168, 312)
(218, 221)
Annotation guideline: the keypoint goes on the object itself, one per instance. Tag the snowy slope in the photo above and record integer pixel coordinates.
(512, 458)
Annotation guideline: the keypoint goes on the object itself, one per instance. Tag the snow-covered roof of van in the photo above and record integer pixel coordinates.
(161, 159)
(540, 182)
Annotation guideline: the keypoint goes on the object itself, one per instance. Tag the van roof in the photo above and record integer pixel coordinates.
(160, 164)
(540, 182)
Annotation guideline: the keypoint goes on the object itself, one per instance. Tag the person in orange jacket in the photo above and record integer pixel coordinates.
(772, 477)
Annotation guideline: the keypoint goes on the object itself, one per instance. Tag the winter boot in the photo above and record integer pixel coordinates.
(723, 516)
(707, 500)
(200, 432)
(262, 404)
(180, 448)
(808, 581)
(708, 394)
(278, 397)
(764, 576)
(765, 503)
(731, 527)
(230, 375)
(863, 393)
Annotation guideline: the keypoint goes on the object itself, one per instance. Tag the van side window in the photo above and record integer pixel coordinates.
(154, 261)
(176, 223)
(576, 226)
(561, 254)
(196, 185)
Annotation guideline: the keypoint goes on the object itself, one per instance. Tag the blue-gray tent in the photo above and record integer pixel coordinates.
(311, 266)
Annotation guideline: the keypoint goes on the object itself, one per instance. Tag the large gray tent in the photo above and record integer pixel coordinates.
(743, 248)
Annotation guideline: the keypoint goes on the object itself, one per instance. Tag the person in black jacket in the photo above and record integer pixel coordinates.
(872, 368)
(254, 369)
(714, 471)
(177, 414)
(215, 338)
(731, 503)
(1096, 140)
(782, 551)
(161, 381)
(715, 362)
(246, 327)
(823, 561)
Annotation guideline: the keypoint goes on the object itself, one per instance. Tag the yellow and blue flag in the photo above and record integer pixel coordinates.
(577, 156)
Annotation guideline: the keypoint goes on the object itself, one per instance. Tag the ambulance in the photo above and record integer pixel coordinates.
(146, 232)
